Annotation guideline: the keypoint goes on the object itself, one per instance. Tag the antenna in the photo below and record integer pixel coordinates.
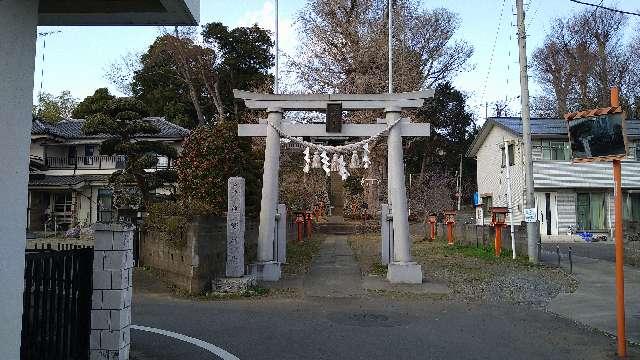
(44, 48)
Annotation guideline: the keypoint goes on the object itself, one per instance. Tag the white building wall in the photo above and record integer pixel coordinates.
(566, 210)
(491, 176)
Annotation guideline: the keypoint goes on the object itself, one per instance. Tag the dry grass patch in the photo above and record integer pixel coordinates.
(474, 274)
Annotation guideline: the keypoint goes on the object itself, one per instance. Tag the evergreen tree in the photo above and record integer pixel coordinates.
(123, 120)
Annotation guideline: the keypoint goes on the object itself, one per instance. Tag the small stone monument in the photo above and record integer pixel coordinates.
(235, 281)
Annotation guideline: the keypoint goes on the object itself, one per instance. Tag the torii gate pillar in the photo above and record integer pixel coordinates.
(268, 268)
(401, 269)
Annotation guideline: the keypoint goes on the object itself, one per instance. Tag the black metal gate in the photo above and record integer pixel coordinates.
(56, 320)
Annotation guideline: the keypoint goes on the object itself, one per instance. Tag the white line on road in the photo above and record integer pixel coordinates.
(224, 355)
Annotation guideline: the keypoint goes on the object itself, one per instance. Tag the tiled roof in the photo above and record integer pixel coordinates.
(65, 180)
(540, 126)
(72, 129)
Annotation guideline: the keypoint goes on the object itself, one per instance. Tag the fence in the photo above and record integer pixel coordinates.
(56, 318)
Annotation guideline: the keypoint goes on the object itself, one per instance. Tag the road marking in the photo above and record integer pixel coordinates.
(224, 355)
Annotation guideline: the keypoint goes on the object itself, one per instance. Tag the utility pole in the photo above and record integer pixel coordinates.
(533, 230)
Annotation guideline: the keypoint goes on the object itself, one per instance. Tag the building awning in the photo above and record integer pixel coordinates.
(65, 181)
(118, 12)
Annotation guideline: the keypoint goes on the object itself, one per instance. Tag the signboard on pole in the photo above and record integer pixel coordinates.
(597, 135)
(530, 215)
(479, 216)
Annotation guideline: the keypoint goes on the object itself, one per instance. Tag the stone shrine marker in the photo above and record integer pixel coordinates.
(235, 227)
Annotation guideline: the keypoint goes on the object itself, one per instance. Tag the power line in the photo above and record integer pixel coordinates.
(493, 50)
(44, 51)
(605, 8)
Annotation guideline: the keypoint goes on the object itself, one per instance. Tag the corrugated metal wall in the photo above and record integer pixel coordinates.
(564, 174)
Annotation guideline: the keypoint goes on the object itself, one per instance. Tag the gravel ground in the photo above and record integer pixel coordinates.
(474, 275)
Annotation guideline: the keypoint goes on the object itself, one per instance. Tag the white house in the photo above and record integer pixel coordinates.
(68, 177)
(568, 195)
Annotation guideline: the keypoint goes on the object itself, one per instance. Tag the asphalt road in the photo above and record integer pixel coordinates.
(360, 328)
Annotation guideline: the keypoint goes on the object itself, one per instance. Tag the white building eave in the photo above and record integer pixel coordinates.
(118, 12)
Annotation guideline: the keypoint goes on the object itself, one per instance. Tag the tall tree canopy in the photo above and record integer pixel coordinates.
(344, 46)
(436, 160)
(581, 58)
(54, 108)
(191, 83)
(93, 104)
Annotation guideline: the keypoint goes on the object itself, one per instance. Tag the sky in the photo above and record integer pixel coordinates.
(76, 58)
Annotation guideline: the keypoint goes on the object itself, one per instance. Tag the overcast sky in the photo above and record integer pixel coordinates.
(76, 58)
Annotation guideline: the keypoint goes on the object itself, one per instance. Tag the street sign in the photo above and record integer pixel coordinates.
(530, 215)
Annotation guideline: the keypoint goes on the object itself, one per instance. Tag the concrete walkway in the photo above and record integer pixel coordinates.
(334, 271)
(593, 303)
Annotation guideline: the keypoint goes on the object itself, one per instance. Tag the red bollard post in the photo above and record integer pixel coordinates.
(300, 223)
(432, 222)
(309, 223)
(450, 219)
(498, 218)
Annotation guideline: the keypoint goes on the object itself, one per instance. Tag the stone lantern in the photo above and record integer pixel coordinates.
(498, 219)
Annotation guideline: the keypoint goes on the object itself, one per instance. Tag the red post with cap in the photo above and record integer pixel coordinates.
(498, 219)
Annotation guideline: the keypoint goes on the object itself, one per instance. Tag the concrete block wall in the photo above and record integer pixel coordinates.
(202, 259)
(112, 291)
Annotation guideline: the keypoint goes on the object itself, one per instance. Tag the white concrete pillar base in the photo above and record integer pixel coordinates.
(404, 273)
(266, 271)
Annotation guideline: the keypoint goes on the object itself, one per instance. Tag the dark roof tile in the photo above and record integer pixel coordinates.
(543, 126)
(65, 180)
(72, 129)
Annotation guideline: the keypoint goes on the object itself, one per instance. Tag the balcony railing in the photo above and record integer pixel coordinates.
(86, 162)
(98, 162)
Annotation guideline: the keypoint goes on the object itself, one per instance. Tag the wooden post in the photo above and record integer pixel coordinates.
(619, 243)
(498, 240)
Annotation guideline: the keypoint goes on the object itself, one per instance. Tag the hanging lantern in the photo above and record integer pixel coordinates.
(365, 156)
(334, 162)
(325, 163)
(355, 162)
(316, 162)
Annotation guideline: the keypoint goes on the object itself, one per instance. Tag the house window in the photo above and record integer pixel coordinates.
(591, 211)
(487, 204)
(511, 150)
(89, 151)
(632, 207)
(72, 154)
(105, 205)
(163, 162)
(554, 149)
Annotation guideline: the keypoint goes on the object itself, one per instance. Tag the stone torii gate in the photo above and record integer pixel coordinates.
(400, 269)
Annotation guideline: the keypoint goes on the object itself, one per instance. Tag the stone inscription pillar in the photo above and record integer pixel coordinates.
(235, 227)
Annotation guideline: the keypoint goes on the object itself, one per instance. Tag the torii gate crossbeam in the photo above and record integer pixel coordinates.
(401, 269)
